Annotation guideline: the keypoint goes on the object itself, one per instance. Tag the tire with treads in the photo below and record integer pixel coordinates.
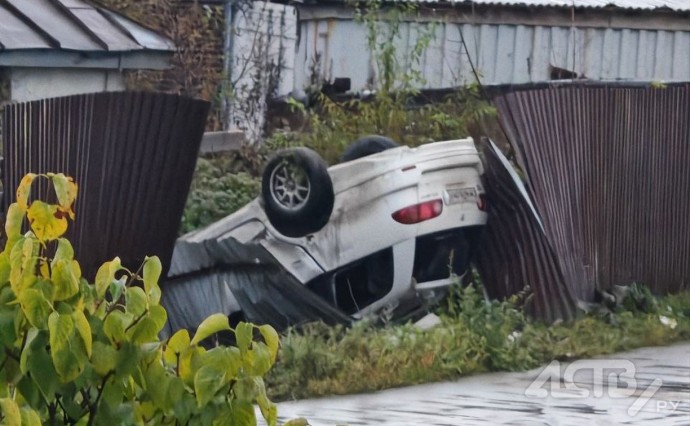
(367, 145)
(297, 192)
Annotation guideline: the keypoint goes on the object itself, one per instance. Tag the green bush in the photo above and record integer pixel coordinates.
(74, 352)
(217, 190)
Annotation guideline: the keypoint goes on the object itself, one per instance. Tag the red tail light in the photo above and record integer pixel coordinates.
(419, 212)
(481, 203)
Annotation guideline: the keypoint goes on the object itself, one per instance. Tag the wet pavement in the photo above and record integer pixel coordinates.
(644, 386)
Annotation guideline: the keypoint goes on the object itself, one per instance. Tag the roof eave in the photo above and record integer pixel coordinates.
(41, 58)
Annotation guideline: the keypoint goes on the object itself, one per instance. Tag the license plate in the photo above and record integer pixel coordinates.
(460, 195)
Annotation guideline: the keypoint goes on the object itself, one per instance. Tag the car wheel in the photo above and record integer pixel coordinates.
(297, 192)
(367, 145)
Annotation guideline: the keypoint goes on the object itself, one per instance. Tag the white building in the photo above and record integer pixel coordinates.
(512, 41)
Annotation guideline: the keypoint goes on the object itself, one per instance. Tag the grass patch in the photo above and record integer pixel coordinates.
(475, 336)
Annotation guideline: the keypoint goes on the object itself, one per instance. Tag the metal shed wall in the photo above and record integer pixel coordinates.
(501, 53)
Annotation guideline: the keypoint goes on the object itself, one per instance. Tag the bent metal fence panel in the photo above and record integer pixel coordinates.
(132, 155)
(608, 169)
(515, 253)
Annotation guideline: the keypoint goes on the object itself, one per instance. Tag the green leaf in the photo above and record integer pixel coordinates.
(188, 364)
(159, 316)
(117, 287)
(36, 307)
(8, 334)
(84, 330)
(65, 280)
(103, 358)
(29, 417)
(61, 328)
(272, 340)
(10, 410)
(136, 300)
(261, 359)
(146, 330)
(243, 336)
(127, 359)
(29, 392)
(42, 370)
(115, 324)
(184, 407)
(207, 381)
(177, 344)
(155, 295)
(246, 389)
(23, 260)
(269, 411)
(226, 359)
(24, 190)
(212, 324)
(65, 189)
(64, 251)
(46, 287)
(152, 273)
(243, 413)
(113, 393)
(26, 352)
(157, 384)
(106, 275)
(4, 268)
(69, 356)
(47, 221)
(13, 223)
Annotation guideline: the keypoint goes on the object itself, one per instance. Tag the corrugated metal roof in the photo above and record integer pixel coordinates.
(678, 5)
(72, 25)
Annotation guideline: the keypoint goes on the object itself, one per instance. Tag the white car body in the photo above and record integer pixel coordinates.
(367, 193)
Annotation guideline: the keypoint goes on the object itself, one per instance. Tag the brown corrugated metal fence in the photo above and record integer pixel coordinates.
(132, 155)
(608, 168)
(515, 253)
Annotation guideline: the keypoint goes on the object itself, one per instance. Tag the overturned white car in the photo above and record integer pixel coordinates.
(380, 234)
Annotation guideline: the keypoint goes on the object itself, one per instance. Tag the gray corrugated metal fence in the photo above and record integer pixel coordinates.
(608, 169)
(132, 155)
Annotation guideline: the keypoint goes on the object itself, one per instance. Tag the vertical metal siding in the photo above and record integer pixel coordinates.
(502, 54)
(132, 155)
(514, 252)
(608, 169)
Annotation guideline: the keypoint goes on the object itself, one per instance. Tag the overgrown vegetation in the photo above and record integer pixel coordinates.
(89, 354)
(218, 189)
(474, 336)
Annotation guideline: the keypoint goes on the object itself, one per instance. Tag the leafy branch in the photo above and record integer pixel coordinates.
(91, 354)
